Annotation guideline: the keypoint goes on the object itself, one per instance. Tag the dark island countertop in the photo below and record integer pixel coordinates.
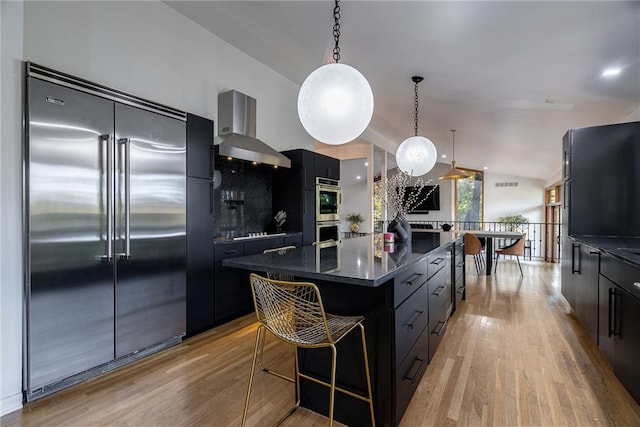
(626, 249)
(364, 261)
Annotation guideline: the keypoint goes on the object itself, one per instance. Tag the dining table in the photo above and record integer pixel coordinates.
(489, 235)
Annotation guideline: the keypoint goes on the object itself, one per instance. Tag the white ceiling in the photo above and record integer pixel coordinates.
(510, 77)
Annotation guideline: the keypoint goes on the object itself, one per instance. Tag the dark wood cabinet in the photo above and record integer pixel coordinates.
(199, 147)
(619, 335)
(568, 269)
(200, 225)
(294, 189)
(439, 288)
(585, 282)
(233, 296)
(457, 273)
(326, 167)
(601, 164)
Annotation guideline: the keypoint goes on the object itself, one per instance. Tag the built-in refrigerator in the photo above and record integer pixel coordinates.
(105, 213)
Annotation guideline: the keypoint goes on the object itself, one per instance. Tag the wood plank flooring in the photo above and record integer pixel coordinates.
(512, 355)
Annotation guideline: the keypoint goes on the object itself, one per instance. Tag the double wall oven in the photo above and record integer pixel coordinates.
(328, 200)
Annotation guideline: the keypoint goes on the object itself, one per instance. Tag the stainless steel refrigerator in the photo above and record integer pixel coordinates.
(105, 215)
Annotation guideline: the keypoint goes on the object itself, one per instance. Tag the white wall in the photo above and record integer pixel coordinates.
(145, 48)
(11, 19)
(148, 49)
(633, 116)
(526, 199)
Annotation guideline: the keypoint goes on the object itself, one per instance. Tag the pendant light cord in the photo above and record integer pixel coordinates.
(453, 134)
(415, 111)
(336, 31)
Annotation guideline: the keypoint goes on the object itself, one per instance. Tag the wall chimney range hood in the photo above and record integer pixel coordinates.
(237, 131)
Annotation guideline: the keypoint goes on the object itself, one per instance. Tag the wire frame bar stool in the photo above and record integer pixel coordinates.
(276, 276)
(294, 313)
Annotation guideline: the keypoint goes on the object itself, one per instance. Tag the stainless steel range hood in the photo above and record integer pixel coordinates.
(237, 131)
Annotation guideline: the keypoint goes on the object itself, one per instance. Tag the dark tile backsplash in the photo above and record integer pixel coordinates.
(242, 202)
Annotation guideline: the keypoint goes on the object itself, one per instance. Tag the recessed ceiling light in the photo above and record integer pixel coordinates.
(366, 163)
(444, 156)
(611, 72)
(486, 167)
(358, 177)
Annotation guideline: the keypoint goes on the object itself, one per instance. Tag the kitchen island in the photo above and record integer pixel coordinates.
(406, 298)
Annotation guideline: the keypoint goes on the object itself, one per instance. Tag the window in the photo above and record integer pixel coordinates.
(470, 197)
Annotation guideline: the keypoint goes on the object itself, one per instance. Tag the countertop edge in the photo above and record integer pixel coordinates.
(611, 245)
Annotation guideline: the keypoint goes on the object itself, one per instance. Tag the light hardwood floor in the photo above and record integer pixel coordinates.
(512, 355)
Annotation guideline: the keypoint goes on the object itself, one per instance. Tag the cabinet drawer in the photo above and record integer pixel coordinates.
(459, 261)
(437, 261)
(229, 250)
(622, 274)
(293, 240)
(411, 317)
(409, 281)
(436, 332)
(410, 372)
(460, 290)
(259, 246)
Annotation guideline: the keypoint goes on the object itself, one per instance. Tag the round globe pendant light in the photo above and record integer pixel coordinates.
(416, 155)
(335, 102)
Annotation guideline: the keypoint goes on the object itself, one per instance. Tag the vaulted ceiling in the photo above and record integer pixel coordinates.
(510, 77)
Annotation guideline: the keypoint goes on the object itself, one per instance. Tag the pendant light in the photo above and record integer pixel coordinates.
(455, 173)
(416, 155)
(335, 102)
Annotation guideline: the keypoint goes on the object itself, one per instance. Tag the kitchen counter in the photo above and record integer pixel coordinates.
(406, 297)
(626, 249)
(360, 261)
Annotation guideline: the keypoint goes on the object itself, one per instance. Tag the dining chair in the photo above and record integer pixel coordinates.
(293, 312)
(516, 248)
(472, 246)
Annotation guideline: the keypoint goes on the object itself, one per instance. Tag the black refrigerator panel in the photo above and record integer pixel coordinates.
(200, 256)
(199, 146)
(605, 177)
(70, 292)
(150, 228)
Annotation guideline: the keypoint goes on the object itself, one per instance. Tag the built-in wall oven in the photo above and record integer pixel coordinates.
(327, 230)
(328, 200)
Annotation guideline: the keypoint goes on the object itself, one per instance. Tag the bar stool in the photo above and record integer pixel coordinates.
(276, 276)
(294, 313)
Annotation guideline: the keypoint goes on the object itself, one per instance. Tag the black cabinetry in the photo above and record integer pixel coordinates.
(200, 225)
(411, 329)
(619, 317)
(294, 189)
(440, 305)
(585, 287)
(232, 289)
(457, 273)
(601, 176)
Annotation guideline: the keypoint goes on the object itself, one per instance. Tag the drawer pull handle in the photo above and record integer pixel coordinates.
(414, 377)
(437, 261)
(442, 325)
(234, 251)
(439, 293)
(594, 252)
(636, 285)
(460, 264)
(416, 319)
(461, 289)
(413, 278)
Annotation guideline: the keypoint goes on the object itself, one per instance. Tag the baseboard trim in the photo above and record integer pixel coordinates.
(10, 403)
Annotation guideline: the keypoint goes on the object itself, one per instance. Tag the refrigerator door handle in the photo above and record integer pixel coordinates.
(126, 147)
(108, 168)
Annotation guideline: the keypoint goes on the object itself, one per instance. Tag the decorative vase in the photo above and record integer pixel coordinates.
(355, 227)
(401, 229)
